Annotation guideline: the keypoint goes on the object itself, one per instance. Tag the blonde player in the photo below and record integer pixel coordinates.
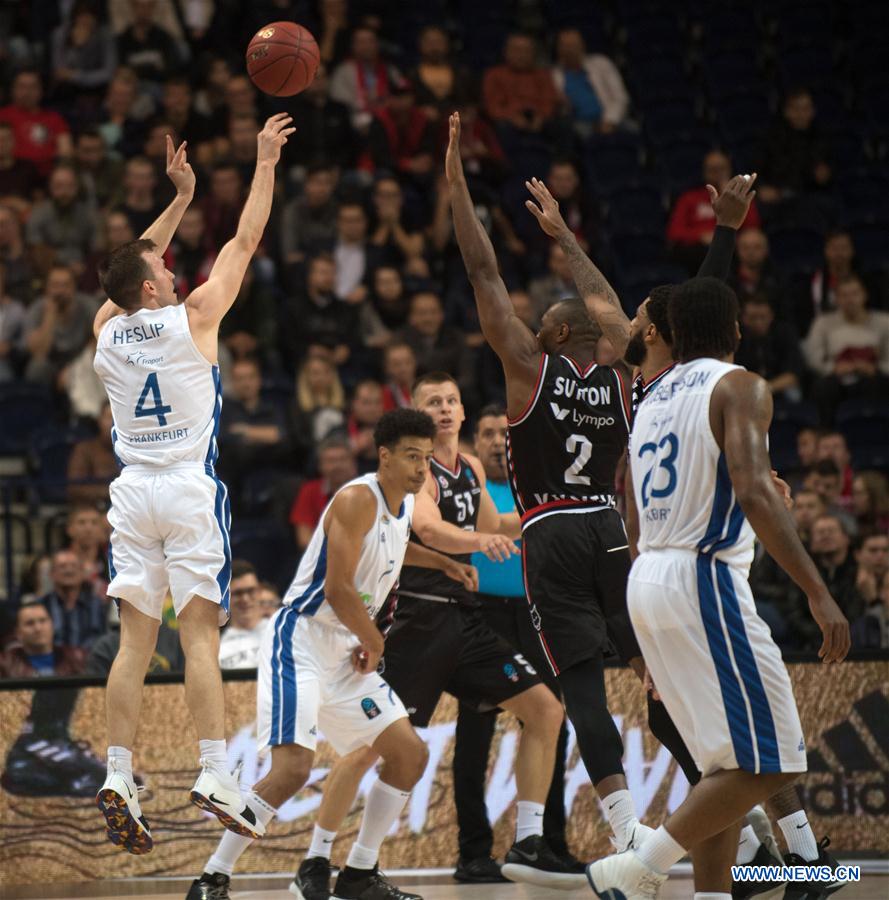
(157, 358)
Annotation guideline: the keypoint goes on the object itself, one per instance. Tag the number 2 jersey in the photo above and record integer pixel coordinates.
(165, 396)
(681, 483)
(564, 448)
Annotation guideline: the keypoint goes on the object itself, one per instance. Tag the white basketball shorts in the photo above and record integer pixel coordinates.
(170, 530)
(306, 684)
(714, 663)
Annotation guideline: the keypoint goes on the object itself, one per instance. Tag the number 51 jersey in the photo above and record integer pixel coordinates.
(165, 396)
(681, 484)
(563, 450)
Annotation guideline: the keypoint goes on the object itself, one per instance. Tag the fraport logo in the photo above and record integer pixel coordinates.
(510, 671)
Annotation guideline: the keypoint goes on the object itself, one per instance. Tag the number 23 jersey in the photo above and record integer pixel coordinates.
(166, 397)
(681, 484)
(564, 448)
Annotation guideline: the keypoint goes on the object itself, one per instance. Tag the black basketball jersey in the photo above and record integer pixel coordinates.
(564, 448)
(459, 492)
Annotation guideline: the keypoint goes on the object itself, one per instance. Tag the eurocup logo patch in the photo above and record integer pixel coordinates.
(442, 481)
(371, 710)
(510, 672)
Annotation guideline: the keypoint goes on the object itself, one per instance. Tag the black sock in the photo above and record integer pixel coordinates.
(350, 873)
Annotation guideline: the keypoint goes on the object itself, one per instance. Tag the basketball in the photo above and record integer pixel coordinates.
(282, 59)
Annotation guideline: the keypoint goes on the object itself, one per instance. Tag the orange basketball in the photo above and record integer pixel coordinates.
(282, 59)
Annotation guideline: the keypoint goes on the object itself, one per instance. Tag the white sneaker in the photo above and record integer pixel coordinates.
(218, 792)
(637, 834)
(125, 826)
(623, 876)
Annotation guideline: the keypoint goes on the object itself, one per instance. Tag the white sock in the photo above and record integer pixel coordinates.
(322, 843)
(529, 819)
(748, 844)
(121, 760)
(621, 815)
(232, 845)
(213, 754)
(700, 895)
(799, 835)
(383, 807)
(660, 852)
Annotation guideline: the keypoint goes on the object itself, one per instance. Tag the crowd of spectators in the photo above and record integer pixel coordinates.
(358, 286)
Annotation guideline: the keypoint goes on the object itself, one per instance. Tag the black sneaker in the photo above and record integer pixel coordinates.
(360, 884)
(210, 887)
(482, 870)
(743, 889)
(813, 890)
(312, 879)
(57, 767)
(533, 862)
(571, 862)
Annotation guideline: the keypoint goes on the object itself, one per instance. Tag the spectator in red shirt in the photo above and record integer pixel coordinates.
(401, 136)
(222, 207)
(832, 445)
(336, 466)
(40, 134)
(520, 93)
(693, 220)
(400, 370)
(19, 179)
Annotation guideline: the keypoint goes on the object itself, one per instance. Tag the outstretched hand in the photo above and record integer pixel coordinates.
(453, 162)
(732, 205)
(273, 137)
(179, 169)
(547, 213)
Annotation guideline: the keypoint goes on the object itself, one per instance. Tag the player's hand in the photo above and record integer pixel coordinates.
(453, 163)
(732, 205)
(834, 628)
(496, 547)
(179, 169)
(465, 575)
(783, 489)
(547, 214)
(366, 659)
(273, 137)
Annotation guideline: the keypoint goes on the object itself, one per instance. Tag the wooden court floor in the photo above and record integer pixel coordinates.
(871, 887)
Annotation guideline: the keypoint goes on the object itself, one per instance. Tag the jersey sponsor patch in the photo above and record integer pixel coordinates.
(510, 671)
(370, 708)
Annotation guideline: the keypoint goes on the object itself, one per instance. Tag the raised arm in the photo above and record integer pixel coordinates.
(208, 303)
(592, 285)
(162, 229)
(740, 415)
(510, 338)
(179, 170)
(731, 208)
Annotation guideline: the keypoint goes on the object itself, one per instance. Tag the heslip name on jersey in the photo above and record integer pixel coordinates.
(382, 555)
(681, 483)
(564, 448)
(166, 397)
(458, 494)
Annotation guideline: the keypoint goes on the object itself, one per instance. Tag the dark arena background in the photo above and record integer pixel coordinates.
(627, 110)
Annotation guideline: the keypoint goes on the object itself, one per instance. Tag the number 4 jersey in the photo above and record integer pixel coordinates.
(564, 448)
(165, 396)
(681, 484)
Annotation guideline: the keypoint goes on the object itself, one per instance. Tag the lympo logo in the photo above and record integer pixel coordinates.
(856, 782)
(558, 412)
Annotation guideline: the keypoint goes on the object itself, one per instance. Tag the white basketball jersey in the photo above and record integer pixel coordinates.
(683, 492)
(165, 396)
(382, 554)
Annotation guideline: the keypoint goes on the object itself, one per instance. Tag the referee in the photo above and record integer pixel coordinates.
(502, 594)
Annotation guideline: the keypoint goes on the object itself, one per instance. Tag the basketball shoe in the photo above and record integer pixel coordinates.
(813, 890)
(118, 801)
(531, 861)
(210, 887)
(52, 767)
(217, 791)
(358, 884)
(312, 879)
(623, 876)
